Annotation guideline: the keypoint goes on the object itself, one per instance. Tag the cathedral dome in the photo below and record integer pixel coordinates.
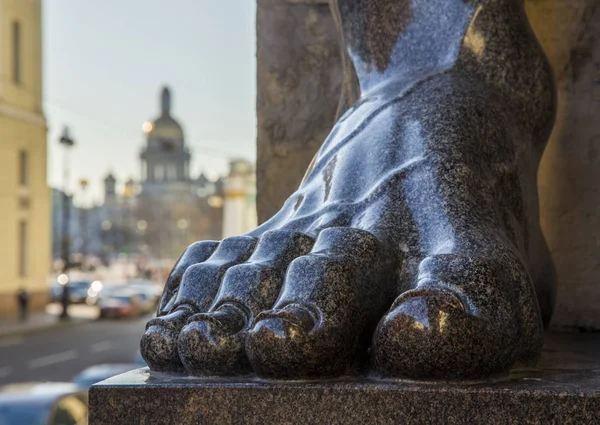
(165, 132)
(166, 127)
(165, 158)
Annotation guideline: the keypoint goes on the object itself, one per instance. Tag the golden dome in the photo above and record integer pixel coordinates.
(165, 127)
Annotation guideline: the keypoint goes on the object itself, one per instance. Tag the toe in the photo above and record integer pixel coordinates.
(159, 343)
(200, 282)
(213, 343)
(195, 294)
(288, 334)
(321, 314)
(257, 283)
(196, 253)
(431, 334)
(470, 316)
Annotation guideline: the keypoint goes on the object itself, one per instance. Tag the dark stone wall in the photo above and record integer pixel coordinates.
(569, 176)
(299, 79)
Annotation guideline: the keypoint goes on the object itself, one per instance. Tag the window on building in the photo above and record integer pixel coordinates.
(171, 172)
(16, 52)
(159, 172)
(23, 168)
(23, 248)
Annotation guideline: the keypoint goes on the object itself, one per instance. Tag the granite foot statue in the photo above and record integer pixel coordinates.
(414, 239)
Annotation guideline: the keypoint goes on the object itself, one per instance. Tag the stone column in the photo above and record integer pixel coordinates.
(299, 78)
(569, 176)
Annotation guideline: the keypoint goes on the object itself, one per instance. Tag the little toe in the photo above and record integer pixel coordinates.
(159, 342)
(195, 293)
(197, 252)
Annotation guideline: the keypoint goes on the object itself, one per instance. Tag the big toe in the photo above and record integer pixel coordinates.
(431, 334)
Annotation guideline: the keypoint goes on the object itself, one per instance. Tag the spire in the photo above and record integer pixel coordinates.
(109, 185)
(165, 101)
(110, 178)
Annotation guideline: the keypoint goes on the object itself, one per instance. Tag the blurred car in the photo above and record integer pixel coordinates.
(153, 289)
(94, 292)
(78, 291)
(147, 303)
(54, 403)
(148, 293)
(119, 304)
(97, 373)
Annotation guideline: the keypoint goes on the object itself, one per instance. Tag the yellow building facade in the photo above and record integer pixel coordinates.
(25, 239)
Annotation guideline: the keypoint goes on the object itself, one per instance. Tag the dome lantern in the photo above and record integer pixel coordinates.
(165, 101)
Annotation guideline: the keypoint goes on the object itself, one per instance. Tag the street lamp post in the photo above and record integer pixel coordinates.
(67, 142)
(83, 220)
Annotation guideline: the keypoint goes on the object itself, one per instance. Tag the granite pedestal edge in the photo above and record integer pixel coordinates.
(564, 388)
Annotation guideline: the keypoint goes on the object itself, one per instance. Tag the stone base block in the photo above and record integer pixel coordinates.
(563, 389)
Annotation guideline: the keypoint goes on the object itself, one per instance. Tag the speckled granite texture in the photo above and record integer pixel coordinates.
(564, 389)
(569, 32)
(413, 244)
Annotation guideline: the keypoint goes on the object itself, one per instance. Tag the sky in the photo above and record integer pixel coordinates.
(105, 62)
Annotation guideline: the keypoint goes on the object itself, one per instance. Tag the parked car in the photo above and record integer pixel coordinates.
(119, 304)
(97, 373)
(148, 293)
(94, 293)
(53, 403)
(153, 289)
(78, 291)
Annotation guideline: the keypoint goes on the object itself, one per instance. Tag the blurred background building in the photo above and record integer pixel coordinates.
(101, 242)
(137, 218)
(173, 208)
(240, 198)
(159, 215)
(24, 195)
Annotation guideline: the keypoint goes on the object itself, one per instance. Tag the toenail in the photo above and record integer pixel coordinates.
(448, 296)
(294, 314)
(227, 318)
(174, 320)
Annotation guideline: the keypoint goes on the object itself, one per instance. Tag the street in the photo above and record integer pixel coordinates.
(61, 353)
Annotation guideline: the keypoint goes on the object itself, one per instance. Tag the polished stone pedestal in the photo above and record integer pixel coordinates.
(564, 388)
